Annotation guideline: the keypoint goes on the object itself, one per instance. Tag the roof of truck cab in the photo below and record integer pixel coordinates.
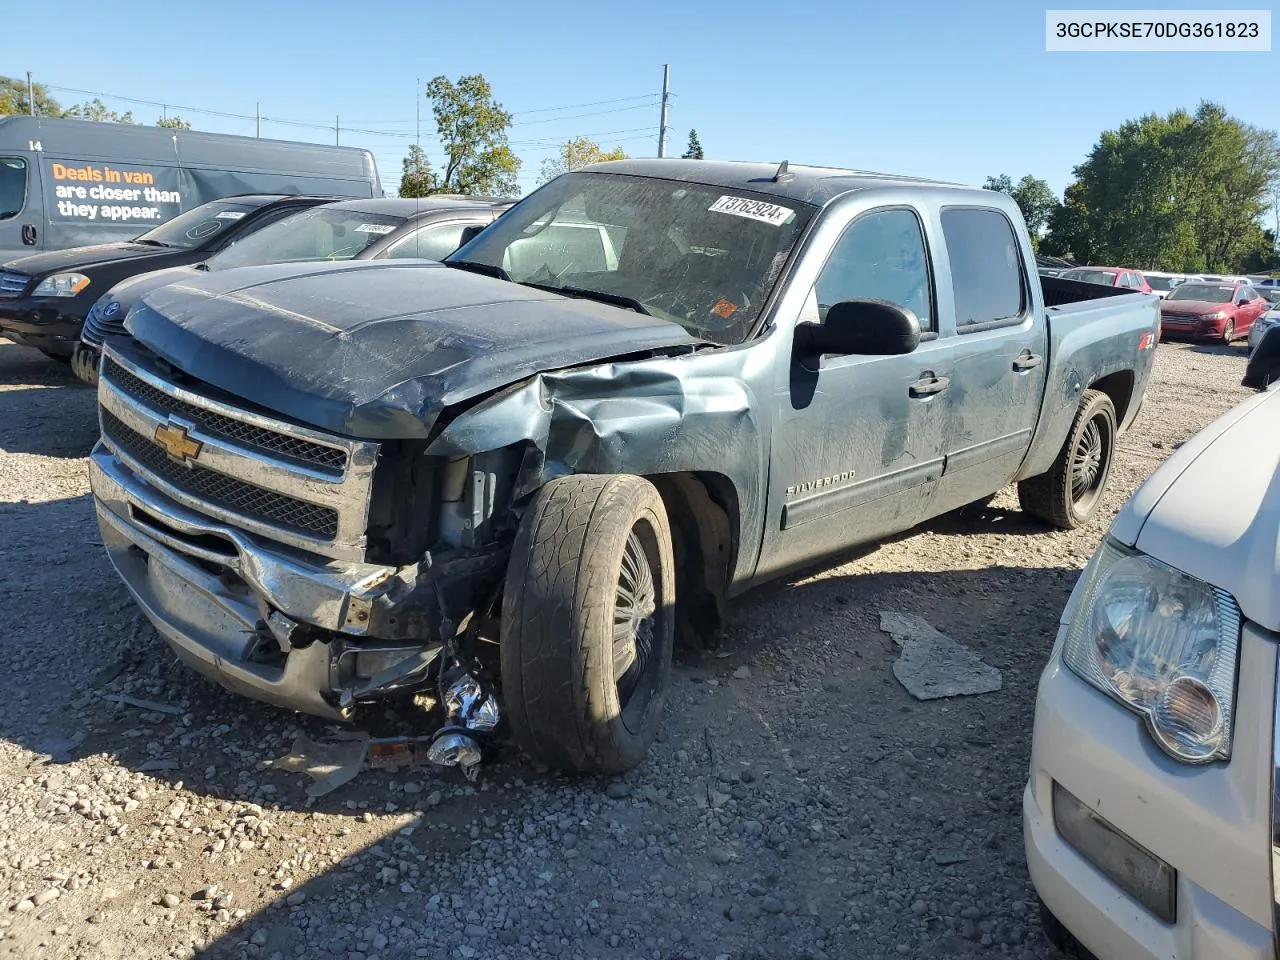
(412, 206)
(803, 183)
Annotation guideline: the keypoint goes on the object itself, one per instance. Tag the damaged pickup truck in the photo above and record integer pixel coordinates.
(509, 481)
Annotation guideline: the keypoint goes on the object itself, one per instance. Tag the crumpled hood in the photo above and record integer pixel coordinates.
(76, 258)
(1213, 508)
(376, 349)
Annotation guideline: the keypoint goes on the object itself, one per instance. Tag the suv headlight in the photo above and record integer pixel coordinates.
(61, 285)
(1164, 644)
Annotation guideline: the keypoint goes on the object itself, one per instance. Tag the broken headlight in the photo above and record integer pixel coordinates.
(1164, 644)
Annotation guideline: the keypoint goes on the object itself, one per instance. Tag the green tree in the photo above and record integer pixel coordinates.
(174, 123)
(473, 132)
(1033, 197)
(13, 98)
(416, 179)
(694, 150)
(95, 109)
(575, 154)
(1000, 184)
(1178, 192)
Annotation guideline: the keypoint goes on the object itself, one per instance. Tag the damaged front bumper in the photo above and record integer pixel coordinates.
(266, 621)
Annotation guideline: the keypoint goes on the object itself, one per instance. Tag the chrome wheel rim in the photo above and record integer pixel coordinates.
(634, 629)
(1090, 462)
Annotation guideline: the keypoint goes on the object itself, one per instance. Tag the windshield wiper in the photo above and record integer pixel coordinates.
(484, 269)
(616, 299)
(153, 243)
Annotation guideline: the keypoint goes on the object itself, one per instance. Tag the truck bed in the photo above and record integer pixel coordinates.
(1096, 335)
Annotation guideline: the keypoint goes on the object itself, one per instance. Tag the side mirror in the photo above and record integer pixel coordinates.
(858, 327)
(470, 233)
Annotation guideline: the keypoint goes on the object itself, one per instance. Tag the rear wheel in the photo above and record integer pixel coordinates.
(1068, 494)
(588, 623)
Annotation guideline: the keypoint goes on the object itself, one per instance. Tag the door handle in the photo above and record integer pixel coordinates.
(928, 386)
(1028, 361)
(29, 234)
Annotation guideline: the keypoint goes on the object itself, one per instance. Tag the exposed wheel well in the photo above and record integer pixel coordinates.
(1119, 387)
(702, 509)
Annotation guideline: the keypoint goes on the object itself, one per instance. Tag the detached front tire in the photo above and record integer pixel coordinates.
(1068, 494)
(588, 623)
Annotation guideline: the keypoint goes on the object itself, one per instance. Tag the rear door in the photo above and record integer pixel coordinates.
(999, 363)
(21, 206)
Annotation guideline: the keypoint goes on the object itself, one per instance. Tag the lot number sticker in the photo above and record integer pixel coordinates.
(378, 228)
(230, 215)
(753, 210)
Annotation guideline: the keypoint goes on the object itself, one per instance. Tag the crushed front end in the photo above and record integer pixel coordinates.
(267, 554)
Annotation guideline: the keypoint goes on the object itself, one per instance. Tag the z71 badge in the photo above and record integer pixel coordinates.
(809, 485)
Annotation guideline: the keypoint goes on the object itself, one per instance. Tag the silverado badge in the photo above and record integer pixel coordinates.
(810, 485)
(176, 443)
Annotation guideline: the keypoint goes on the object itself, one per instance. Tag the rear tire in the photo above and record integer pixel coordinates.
(1068, 494)
(588, 623)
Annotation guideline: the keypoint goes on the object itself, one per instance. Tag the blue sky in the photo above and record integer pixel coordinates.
(954, 91)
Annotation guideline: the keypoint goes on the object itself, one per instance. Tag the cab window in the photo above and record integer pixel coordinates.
(13, 186)
(880, 256)
(430, 243)
(986, 266)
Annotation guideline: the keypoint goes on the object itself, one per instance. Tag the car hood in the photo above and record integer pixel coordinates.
(1213, 508)
(75, 258)
(377, 349)
(130, 291)
(1192, 306)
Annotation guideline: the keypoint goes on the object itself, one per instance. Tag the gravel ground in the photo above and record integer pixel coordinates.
(799, 804)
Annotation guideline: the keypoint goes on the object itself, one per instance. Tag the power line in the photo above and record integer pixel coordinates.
(579, 116)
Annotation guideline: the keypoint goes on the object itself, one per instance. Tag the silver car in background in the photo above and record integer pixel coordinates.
(1268, 319)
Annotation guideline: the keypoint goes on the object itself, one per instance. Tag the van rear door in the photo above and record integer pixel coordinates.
(22, 219)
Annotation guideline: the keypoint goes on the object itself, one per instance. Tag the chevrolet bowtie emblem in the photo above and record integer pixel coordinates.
(176, 443)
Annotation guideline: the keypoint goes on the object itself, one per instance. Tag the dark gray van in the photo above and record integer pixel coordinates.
(68, 183)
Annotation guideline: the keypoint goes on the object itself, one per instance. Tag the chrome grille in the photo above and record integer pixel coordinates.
(266, 476)
(97, 327)
(12, 284)
(226, 492)
(315, 455)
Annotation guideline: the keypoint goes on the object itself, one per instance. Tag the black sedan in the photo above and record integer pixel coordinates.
(44, 298)
(423, 228)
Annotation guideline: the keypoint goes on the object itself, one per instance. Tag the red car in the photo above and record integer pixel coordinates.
(1211, 311)
(1110, 277)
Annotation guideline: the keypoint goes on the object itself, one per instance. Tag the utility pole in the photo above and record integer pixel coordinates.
(257, 130)
(31, 100)
(337, 127)
(417, 101)
(666, 99)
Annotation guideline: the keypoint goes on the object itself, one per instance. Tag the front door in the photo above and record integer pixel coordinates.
(1000, 356)
(858, 444)
(21, 207)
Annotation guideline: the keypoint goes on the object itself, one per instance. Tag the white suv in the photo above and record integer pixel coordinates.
(1149, 816)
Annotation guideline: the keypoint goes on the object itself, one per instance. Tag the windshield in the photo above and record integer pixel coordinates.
(319, 233)
(1163, 283)
(1272, 294)
(197, 226)
(1209, 293)
(1104, 277)
(701, 256)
